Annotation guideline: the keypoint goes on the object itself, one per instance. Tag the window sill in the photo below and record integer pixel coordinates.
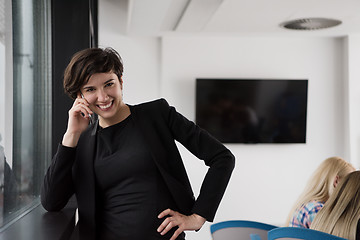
(42, 225)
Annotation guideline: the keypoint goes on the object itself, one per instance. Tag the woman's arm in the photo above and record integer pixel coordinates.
(58, 187)
(215, 155)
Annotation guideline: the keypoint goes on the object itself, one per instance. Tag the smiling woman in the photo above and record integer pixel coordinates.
(103, 93)
(125, 169)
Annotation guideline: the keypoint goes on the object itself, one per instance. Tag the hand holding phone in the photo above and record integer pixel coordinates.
(90, 116)
(78, 121)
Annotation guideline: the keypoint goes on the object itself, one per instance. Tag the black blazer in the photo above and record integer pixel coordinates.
(72, 171)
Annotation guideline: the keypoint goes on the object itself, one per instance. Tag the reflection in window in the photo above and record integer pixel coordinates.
(2, 107)
(25, 97)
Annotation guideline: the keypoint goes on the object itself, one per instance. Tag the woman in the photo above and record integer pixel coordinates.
(341, 213)
(317, 191)
(125, 169)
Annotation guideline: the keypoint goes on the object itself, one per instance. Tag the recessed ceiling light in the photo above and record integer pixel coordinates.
(310, 23)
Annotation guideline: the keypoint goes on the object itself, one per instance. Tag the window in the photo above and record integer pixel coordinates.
(25, 104)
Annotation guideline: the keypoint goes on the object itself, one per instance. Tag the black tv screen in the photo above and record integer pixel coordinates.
(253, 110)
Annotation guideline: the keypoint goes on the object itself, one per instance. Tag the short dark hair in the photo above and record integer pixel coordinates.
(87, 62)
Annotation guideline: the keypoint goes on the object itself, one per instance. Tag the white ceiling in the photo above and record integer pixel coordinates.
(158, 17)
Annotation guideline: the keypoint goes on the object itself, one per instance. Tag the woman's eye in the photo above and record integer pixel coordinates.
(109, 84)
(89, 89)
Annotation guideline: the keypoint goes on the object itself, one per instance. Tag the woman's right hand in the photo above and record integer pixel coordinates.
(78, 121)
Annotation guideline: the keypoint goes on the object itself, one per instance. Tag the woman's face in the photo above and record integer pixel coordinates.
(103, 92)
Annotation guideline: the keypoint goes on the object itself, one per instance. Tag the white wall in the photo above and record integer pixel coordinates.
(352, 87)
(267, 178)
(141, 57)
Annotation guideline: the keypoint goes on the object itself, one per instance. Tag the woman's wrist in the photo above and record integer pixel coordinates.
(70, 139)
(200, 220)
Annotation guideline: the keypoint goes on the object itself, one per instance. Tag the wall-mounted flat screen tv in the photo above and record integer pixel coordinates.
(253, 110)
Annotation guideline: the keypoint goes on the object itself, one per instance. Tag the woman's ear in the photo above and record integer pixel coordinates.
(336, 181)
(121, 83)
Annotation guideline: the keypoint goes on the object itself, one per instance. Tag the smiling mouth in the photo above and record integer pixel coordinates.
(105, 107)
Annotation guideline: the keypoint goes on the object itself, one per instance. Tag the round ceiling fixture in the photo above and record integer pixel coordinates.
(310, 23)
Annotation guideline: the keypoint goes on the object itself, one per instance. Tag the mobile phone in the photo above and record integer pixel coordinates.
(90, 116)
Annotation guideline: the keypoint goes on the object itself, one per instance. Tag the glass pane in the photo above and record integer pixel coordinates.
(30, 141)
(2, 107)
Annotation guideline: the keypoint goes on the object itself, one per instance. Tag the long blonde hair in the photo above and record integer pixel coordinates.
(341, 213)
(321, 184)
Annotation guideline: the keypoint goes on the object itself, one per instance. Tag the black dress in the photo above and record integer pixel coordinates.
(130, 190)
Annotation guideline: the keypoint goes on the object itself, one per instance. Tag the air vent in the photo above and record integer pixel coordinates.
(310, 23)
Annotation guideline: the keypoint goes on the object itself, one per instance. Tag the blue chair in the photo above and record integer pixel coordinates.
(240, 230)
(292, 233)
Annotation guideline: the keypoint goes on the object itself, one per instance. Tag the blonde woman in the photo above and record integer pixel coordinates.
(340, 215)
(317, 191)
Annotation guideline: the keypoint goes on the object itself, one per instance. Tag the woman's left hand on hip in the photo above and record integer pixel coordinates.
(183, 222)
